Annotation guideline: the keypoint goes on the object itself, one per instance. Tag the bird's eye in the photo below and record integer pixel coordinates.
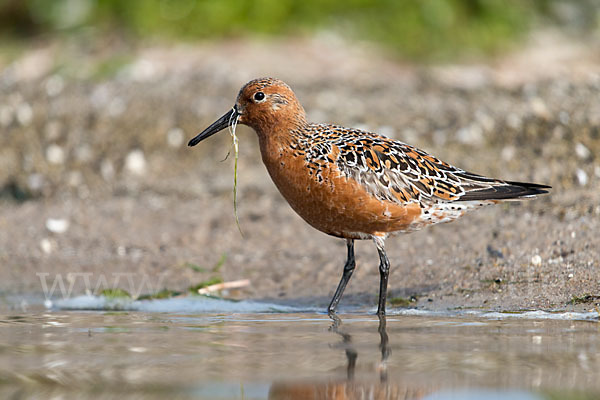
(259, 96)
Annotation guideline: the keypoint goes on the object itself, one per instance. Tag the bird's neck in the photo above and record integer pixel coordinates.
(280, 141)
(282, 132)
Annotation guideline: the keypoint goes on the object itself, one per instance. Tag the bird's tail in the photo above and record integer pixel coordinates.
(480, 188)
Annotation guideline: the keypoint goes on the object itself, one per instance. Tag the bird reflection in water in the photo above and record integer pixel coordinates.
(350, 388)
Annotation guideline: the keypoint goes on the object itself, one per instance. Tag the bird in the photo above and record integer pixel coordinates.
(354, 184)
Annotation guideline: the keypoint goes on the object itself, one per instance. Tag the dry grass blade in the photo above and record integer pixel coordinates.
(224, 285)
(232, 127)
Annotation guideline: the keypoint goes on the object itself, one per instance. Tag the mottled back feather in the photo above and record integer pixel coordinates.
(397, 172)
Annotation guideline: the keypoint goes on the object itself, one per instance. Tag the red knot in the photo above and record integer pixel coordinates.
(354, 184)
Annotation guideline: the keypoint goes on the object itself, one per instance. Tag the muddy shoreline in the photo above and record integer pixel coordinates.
(108, 156)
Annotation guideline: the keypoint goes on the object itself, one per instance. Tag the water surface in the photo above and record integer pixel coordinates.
(107, 354)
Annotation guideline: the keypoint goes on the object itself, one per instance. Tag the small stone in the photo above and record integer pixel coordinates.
(46, 245)
(582, 151)
(55, 154)
(57, 225)
(135, 162)
(35, 182)
(570, 275)
(24, 114)
(175, 137)
(138, 349)
(508, 153)
(536, 260)
(539, 108)
(582, 177)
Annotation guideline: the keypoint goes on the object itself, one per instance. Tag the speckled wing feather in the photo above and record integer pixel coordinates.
(400, 173)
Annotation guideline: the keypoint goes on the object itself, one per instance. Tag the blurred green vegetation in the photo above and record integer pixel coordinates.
(417, 29)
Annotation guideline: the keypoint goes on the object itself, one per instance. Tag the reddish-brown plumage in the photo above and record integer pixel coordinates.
(355, 184)
(337, 206)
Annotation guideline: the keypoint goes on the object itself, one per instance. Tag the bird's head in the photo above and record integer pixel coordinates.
(263, 104)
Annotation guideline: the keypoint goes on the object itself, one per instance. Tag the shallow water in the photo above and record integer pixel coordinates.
(107, 354)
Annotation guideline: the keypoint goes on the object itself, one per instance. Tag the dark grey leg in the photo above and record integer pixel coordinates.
(348, 270)
(384, 270)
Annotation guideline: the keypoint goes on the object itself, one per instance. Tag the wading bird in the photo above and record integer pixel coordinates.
(354, 184)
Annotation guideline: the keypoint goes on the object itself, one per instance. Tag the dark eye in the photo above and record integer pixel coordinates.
(259, 96)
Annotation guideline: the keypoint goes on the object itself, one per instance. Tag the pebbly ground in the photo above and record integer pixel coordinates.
(97, 183)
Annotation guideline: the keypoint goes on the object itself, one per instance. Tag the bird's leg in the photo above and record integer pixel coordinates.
(348, 270)
(384, 270)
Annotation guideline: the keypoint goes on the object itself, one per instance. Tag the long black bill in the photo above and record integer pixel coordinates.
(216, 126)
